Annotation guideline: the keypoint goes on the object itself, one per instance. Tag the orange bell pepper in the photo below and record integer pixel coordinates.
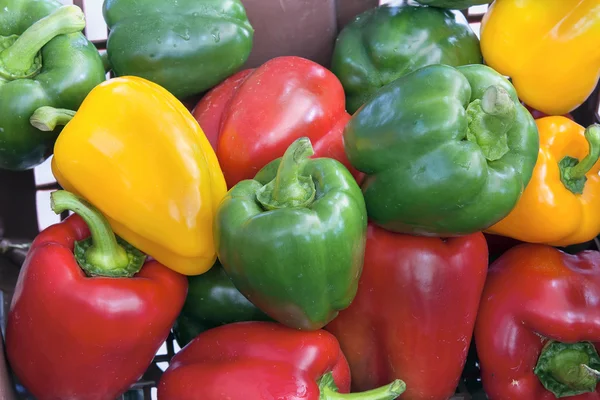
(561, 204)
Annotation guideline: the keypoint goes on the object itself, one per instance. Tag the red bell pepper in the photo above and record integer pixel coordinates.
(84, 323)
(263, 361)
(414, 313)
(538, 318)
(257, 114)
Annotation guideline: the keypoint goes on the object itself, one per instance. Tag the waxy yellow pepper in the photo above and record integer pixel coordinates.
(550, 49)
(136, 153)
(561, 204)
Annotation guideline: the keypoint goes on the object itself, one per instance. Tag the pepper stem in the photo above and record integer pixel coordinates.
(568, 369)
(102, 254)
(290, 188)
(21, 59)
(489, 119)
(572, 171)
(329, 391)
(46, 118)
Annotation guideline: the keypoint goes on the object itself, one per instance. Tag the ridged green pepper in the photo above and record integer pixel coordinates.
(454, 4)
(186, 46)
(44, 61)
(388, 42)
(212, 300)
(293, 238)
(447, 151)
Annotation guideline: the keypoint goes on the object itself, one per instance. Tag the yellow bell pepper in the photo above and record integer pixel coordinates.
(561, 204)
(136, 153)
(550, 49)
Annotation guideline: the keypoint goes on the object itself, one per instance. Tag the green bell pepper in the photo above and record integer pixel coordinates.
(388, 42)
(447, 151)
(212, 301)
(186, 46)
(293, 238)
(454, 4)
(44, 61)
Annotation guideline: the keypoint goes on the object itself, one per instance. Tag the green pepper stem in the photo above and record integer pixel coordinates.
(490, 118)
(290, 188)
(47, 118)
(329, 391)
(101, 255)
(592, 135)
(19, 59)
(568, 369)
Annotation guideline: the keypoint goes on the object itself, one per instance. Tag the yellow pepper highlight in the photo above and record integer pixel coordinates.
(136, 153)
(550, 49)
(561, 204)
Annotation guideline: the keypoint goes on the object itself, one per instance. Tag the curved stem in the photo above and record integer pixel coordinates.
(329, 391)
(19, 59)
(100, 254)
(290, 188)
(592, 135)
(46, 118)
(568, 369)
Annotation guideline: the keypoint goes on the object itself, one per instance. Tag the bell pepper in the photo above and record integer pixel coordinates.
(260, 112)
(89, 312)
(44, 61)
(293, 238)
(212, 301)
(454, 4)
(446, 151)
(136, 153)
(400, 323)
(388, 42)
(537, 114)
(561, 204)
(185, 46)
(538, 330)
(520, 37)
(263, 361)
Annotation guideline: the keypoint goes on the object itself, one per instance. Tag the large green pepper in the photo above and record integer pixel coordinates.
(186, 46)
(447, 151)
(44, 61)
(212, 301)
(454, 4)
(293, 239)
(388, 42)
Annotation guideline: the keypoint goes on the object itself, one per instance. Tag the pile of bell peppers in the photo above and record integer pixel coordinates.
(305, 232)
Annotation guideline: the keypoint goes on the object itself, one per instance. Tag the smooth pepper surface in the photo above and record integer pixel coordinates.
(388, 42)
(561, 204)
(548, 48)
(293, 238)
(414, 312)
(137, 154)
(539, 323)
(44, 61)
(447, 151)
(186, 46)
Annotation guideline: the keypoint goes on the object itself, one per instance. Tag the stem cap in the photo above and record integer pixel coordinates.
(329, 390)
(573, 171)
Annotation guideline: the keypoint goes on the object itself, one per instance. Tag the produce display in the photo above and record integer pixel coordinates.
(415, 217)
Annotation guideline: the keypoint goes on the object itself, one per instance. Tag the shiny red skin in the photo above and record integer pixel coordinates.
(74, 337)
(256, 114)
(254, 361)
(414, 313)
(534, 290)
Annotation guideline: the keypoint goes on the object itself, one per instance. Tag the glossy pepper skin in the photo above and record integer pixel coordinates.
(256, 114)
(561, 205)
(139, 156)
(51, 64)
(82, 324)
(400, 323)
(263, 361)
(536, 294)
(293, 238)
(446, 151)
(185, 46)
(453, 4)
(212, 301)
(387, 42)
(564, 31)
